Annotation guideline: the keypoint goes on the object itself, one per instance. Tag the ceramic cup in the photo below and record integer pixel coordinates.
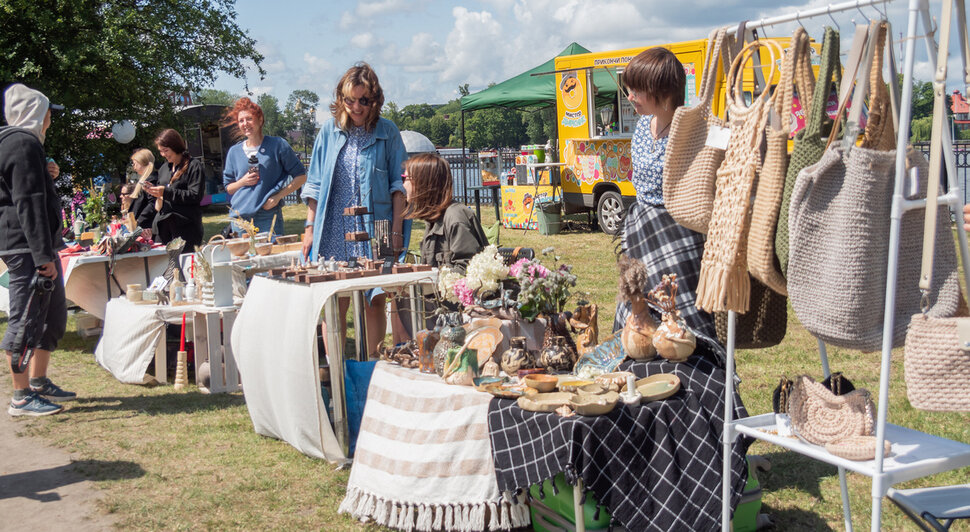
(133, 295)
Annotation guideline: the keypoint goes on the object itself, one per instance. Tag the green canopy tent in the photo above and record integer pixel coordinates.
(532, 91)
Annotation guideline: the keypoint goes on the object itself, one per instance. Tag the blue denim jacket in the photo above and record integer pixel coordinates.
(381, 165)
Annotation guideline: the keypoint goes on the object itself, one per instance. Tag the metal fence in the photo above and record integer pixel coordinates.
(961, 151)
(465, 172)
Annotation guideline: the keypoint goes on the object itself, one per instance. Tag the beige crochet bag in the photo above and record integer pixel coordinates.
(857, 448)
(937, 356)
(762, 263)
(724, 283)
(820, 417)
(839, 223)
(691, 163)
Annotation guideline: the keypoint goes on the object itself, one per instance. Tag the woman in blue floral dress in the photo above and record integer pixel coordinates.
(357, 160)
(655, 82)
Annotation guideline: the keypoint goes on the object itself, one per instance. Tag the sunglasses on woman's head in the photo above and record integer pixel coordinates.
(363, 101)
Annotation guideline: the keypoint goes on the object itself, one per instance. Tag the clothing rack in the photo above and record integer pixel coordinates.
(942, 455)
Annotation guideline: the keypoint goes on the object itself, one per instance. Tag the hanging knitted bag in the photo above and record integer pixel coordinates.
(762, 263)
(691, 162)
(809, 143)
(839, 223)
(724, 283)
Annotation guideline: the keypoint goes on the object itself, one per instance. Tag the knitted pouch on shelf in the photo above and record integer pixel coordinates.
(809, 144)
(724, 282)
(839, 227)
(763, 325)
(818, 416)
(762, 263)
(691, 164)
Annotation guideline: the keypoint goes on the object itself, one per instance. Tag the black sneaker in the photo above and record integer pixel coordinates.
(33, 405)
(53, 392)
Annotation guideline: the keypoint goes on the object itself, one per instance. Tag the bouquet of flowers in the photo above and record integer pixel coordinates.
(542, 290)
(482, 277)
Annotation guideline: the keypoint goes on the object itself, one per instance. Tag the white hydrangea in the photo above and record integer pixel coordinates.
(485, 270)
(446, 283)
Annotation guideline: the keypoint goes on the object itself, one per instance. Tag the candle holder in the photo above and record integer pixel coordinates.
(181, 371)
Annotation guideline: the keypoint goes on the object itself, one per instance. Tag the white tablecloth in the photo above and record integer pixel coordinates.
(131, 334)
(274, 340)
(84, 281)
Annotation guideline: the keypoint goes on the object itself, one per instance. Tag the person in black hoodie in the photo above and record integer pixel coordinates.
(178, 192)
(30, 236)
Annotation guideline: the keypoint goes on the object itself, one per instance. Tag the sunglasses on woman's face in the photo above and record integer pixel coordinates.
(365, 101)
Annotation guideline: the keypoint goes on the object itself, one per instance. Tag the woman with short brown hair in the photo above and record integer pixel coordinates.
(453, 234)
(178, 190)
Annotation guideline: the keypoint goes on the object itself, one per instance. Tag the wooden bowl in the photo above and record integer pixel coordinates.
(543, 382)
(287, 239)
(264, 248)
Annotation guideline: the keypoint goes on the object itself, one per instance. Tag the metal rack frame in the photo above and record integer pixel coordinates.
(924, 454)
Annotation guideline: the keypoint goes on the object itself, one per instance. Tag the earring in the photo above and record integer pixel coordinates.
(666, 106)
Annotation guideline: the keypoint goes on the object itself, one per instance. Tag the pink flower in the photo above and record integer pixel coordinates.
(516, 268)
(465, 295)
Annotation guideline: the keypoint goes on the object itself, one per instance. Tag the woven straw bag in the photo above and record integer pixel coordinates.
(810, 141)
(763, 325)
(691, 164)
(818, 416)
(857, 448)
(839, 227)
(937, 355)
(724, 283)
(762, 263)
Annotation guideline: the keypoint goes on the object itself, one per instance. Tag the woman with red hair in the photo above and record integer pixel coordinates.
(257, 169)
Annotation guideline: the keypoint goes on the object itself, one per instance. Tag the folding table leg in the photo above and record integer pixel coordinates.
(360, 325)
(578, 506)
(335, 354)
(161, 361)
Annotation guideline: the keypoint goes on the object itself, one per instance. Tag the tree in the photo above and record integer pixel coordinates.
(302, 107)
(109, 60)
(392, 113)
(275, 123)
(441, 129)
(215, 97)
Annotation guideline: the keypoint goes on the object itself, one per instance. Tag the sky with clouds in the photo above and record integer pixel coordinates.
(422, 50)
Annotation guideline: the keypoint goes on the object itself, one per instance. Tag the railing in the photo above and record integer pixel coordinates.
(465, 172)
(961, 152)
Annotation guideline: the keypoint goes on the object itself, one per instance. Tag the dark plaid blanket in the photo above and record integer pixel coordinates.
(651, 235)
(657, 468)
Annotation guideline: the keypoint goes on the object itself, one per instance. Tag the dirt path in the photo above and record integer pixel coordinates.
(40, 488)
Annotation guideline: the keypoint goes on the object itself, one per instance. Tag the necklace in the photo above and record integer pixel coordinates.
(661, 132)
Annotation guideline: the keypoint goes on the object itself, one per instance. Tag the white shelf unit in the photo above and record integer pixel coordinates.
(913, 454)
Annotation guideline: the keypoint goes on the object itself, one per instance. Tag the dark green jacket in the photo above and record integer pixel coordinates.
(454, 239)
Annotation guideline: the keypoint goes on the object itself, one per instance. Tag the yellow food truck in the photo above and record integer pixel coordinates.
(594, 138)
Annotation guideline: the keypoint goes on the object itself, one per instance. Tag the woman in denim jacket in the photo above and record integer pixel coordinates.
(357, 160)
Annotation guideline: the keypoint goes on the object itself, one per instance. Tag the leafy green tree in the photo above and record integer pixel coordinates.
(274, 121)
(302, 105)
(392, 113)
(441, 129)
(109, 60)
(215, 97)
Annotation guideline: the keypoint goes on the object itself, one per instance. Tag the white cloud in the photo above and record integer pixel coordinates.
(473, 45)
(316, 65)
(363, 40)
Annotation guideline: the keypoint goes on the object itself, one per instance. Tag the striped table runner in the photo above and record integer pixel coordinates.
(424, 458)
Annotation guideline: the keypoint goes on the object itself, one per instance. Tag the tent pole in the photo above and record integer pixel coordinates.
(464, 163)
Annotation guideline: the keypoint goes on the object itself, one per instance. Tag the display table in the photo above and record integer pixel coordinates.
(274, 341)
(655, 468)
(88, 279)
(424, 460)
(134, 334)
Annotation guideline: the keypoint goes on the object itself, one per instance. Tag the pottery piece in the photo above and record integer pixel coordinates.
(483, 340)
(490, 369)
(604, 358)
(613, 381)
(426, 340)
(591, 389)
(516, 357)
(287, 239)
(674, 341)
(238, 247)
(544, 402)
(450, 336)
(556, 356)
(595, 405)
(659, 386)
(637, 335)
(572, 384)
(505, 390)
(543, 382)
(264, 248)
(485, 380)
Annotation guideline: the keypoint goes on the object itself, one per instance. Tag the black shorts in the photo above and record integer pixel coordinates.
(21, 267)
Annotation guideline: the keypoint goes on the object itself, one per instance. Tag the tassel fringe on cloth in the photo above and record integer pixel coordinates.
(424, 458)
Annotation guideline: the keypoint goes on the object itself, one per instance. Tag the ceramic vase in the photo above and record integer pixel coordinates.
(452, 335)
(426, 340)
(673, 340)
(208, 294)
(557, 356)
(516, 357)
(637, 336)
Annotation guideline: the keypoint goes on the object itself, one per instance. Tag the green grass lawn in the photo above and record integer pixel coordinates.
(188, 461)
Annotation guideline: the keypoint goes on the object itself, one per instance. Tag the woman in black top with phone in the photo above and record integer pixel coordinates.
(178, 192)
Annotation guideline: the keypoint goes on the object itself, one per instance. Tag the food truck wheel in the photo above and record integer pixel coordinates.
(609, 212)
